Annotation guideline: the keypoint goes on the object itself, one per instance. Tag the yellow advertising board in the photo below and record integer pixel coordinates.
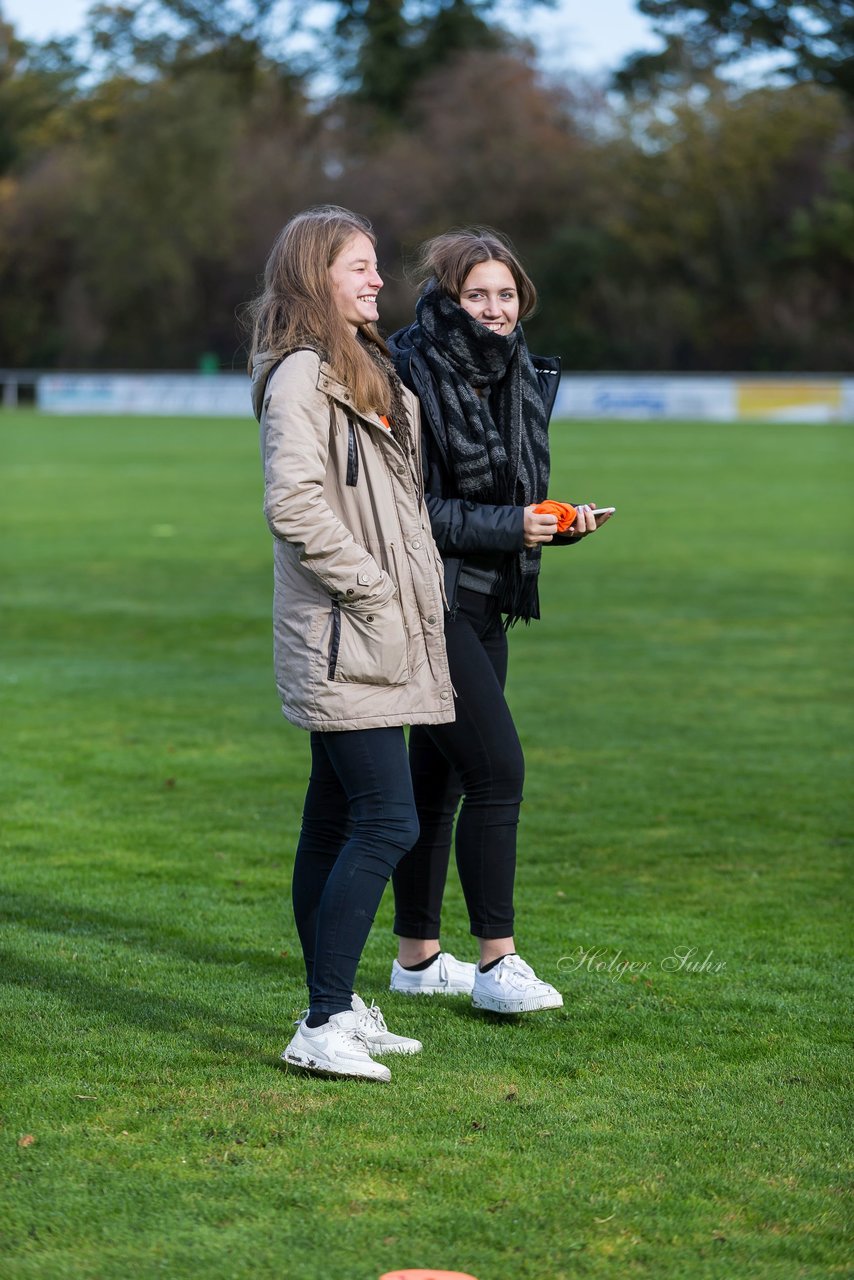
(789, 400)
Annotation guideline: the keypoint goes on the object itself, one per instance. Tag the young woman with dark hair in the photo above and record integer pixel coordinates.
(358, 606)
(486, 403)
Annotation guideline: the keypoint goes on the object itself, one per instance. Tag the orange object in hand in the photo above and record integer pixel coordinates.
(564, 511)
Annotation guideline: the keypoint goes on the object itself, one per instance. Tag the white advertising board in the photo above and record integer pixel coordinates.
(641, 396)
(595, 396)
(714, 398)
(222, 395)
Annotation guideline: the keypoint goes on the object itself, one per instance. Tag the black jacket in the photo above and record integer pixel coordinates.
(462, 528)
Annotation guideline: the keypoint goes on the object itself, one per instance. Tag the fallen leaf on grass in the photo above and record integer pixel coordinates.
(90, 1097)
(26, 1140)
(608, 1219)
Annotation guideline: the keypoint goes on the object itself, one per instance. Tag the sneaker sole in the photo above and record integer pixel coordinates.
(382, 1050)
(431, 991)
(307, 1063)
(531, 1005)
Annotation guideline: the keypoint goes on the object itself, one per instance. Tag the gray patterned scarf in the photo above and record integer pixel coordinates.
(495, 422)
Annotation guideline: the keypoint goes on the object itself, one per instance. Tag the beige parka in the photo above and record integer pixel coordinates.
(358, 618)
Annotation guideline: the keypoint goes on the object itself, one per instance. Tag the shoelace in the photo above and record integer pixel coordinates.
(375, 1015)
(515, 964)
(357, 1032)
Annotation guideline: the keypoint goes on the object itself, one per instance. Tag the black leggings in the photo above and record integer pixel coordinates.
(358, 822)
(479, 757)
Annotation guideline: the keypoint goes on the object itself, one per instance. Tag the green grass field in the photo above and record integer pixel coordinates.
(683, 710)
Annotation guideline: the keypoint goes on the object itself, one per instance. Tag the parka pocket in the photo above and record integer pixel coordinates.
(368, 648)
(440, 573)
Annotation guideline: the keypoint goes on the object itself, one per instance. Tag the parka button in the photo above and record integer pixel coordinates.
(445, 695)
(369, 617)
(416, 543)
(350, 591)
(432, 620)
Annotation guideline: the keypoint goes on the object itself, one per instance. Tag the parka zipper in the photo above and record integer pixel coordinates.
(352, 453)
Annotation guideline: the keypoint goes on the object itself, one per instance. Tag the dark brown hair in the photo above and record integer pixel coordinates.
(297, 306)
(445, 261)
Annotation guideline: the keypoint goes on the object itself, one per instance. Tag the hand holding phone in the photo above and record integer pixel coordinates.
(590, 518)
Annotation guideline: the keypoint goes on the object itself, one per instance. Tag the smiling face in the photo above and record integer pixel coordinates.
(356, 282)
(489, 294)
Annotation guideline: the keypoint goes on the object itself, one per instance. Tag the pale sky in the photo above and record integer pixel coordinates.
(587, 35)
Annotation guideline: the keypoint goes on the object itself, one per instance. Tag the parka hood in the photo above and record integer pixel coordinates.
(400, 344)
(262, 367)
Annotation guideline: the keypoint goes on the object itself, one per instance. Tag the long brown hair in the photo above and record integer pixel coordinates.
(445, 261)
(296, 307)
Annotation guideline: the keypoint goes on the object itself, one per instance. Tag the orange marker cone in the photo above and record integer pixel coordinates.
(427, 1275)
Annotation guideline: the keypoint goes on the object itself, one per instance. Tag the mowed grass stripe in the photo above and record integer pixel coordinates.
(683, 710)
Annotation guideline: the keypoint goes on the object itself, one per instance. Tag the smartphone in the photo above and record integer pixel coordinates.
(603, 511)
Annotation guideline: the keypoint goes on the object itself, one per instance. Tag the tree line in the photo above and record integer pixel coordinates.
(671, 221)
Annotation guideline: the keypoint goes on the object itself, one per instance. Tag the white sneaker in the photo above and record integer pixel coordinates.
(337, 1048)
(511, 986)
(379, 1039)
(446, 976)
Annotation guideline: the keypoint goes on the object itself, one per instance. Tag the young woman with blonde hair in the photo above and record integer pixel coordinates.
(486, 403)
(358, 606)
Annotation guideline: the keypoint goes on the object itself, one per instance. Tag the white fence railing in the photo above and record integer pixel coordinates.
(721, 398)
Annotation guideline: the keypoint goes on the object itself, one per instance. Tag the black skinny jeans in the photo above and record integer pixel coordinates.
(478, 757)
(358, 821)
